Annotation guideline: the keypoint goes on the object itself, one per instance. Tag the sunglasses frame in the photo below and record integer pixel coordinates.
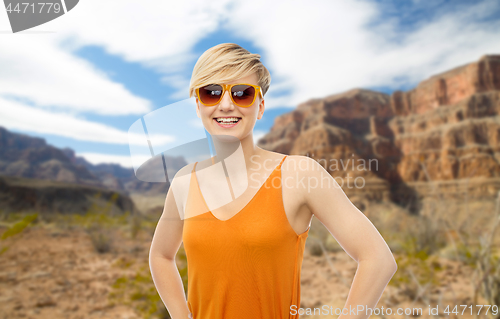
(228, 87)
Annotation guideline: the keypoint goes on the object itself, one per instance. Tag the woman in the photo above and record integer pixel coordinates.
(244, 257)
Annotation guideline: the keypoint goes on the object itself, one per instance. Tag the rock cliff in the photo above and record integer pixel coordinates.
(441, 137)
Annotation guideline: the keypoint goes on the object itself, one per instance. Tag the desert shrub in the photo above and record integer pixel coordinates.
(332, 245)
(417, 262)
(135, 225)
(99, 224)
(101, 238)
(416, 275)
(139, 292)
(487, 279)
(424, 237)
(16, 229)
(486, 276)
(315, 248)
(463, 253)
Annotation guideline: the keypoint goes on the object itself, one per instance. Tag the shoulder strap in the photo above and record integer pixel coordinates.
(279, 166)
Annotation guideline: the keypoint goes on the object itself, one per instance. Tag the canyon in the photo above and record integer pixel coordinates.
(440, 138)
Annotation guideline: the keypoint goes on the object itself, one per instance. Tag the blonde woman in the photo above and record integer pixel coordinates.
(245, 257)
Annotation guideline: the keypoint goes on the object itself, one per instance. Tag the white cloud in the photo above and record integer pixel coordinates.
(179, 83)
(97, 158)
(160, 33)
(42, 72)
(315, 49)
(312, 49)
(15, 115)
(36, 69)
(324, 47)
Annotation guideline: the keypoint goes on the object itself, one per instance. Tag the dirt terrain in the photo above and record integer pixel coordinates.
(53, 270)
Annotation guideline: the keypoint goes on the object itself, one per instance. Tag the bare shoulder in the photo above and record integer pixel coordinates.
(295, 175)
(306, 176)
(180, 181)
(302, 165)
(179, 188)
(266, 160)
(298, 165)
(270, 154)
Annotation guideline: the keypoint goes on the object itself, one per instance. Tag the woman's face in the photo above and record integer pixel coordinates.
(226, 108)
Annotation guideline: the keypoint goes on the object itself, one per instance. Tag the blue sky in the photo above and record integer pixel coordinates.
(83, 85)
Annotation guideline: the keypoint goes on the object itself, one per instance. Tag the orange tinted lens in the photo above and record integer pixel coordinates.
(210, 94)
(243, 94)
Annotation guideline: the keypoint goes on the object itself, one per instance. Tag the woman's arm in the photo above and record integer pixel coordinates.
(355, 233)
(166, 242)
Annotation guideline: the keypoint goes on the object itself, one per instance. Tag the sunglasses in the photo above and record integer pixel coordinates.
(242, 94)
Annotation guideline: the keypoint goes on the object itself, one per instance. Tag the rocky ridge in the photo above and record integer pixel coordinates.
(442, 137)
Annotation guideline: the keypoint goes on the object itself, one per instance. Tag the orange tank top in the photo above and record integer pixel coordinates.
(247, 266)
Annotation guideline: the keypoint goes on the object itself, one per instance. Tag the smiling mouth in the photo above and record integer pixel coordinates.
(227, 121)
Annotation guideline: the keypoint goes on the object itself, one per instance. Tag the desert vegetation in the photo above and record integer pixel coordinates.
(95, 264)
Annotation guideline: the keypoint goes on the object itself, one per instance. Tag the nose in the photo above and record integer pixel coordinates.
(226, 104)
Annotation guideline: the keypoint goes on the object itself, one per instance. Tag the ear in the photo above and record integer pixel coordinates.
(198, 108)
(262, 107)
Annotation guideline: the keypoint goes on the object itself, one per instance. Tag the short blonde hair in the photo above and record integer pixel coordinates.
(227, 62)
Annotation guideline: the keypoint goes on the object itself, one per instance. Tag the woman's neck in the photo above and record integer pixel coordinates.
(245, 148)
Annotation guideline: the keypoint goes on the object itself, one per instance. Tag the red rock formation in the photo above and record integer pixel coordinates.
(446, 129)
(450, 87)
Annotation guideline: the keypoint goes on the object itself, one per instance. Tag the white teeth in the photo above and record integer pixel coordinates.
(227, 120)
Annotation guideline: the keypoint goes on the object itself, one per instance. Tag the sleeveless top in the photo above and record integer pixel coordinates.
(247, 266)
